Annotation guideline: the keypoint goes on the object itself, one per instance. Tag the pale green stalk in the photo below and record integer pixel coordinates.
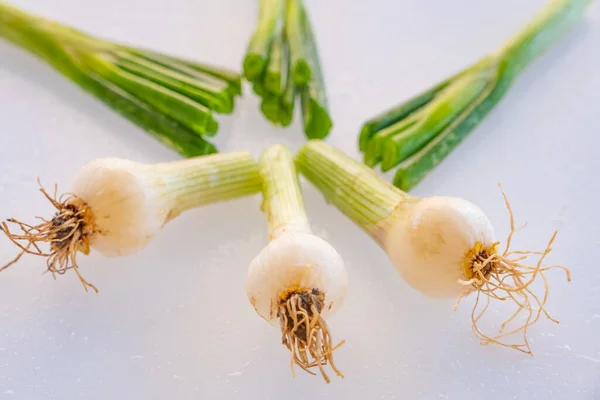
(199, 181)
(282, 196)
(354, 188)
(257, 53)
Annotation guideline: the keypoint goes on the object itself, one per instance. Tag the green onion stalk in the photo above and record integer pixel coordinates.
(443, 247)
(282, 64)
(416, 135)
(172, 99)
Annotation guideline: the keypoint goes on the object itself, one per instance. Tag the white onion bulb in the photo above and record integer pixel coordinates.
(294, 261)
(444, 247)
(298, 279)
(429, 242)
(118, 206)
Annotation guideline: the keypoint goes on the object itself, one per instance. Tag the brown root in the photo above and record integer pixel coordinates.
(305, 332)
(67, 233)
(506, 277)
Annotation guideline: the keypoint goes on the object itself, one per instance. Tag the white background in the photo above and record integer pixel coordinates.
(173, 321)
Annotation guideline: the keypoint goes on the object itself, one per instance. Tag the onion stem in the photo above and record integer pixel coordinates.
(315, 114)
(434, 117)
(282, 62)
(280, 109)
(442, 246)
(359, 192)
(282, 197)
(117, 206)
(394, 115)
(296, 34)
(257, 53)
(449, 111)
(298, 279)
(278, 63)
(287, 102)
(200, 181)
(170, 98)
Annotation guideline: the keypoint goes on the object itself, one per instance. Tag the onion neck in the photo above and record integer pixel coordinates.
(200, 181)
(355, 189)
(282, 197)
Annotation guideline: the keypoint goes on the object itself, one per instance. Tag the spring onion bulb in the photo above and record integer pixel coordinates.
(298, 279)
(117, 206)
(443, 247)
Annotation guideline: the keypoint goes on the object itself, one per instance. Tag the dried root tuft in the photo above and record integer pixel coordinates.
(505, 277)
(67, 233)
(305, 332)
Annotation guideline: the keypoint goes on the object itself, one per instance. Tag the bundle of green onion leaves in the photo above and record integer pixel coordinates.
(416, 135)
(282, 63)
(173, 99)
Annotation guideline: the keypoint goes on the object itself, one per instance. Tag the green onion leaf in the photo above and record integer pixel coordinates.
(280, 109)
(270, 108)
(373, 153)
(259, 89)
(257, 53)
(202, 72)
(317, 122)
(214, 97)
(287, 102)
(396, 114)
(295, 32)
(439, 113)
(169, 102)
(277, 70)
(170, 98)
(447, 113)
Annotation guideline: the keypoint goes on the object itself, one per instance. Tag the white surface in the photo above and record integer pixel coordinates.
(173, 322)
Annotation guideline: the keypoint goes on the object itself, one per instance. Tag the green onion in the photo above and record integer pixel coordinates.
(295, 30)
(170, 98)
(375, 145)
(277, 70)
(280, 109)
(270, 108)
(396, 114)
(298, 279)
(417, 135)
(282, 62)
(117, 206)
(434, 117)
(214, 93)
(442, 246)
(259, 89)
(288, 100)
(317, 122)
(173, 104)
(233, 78)
(200, 72)
(257, 54)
